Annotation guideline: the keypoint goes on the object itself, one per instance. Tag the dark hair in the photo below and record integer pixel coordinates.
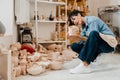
(73, 13)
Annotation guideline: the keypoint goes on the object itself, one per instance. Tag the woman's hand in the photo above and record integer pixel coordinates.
(77, 38)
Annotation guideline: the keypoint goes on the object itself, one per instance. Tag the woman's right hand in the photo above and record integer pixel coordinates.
(76, 38)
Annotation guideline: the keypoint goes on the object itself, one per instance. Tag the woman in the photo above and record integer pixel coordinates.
(98, 38)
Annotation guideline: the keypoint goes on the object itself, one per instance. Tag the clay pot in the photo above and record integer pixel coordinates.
(56, 65)
(73, 30)
(35, 69)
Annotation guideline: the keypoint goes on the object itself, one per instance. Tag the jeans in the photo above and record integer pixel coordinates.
(89, 50)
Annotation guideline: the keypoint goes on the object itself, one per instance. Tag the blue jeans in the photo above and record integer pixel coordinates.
(91, 48)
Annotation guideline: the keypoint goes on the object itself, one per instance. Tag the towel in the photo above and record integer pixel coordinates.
(111, 40)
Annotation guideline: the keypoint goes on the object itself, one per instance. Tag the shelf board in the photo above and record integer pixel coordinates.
(45, 21)
(51, 41)
(51, 2)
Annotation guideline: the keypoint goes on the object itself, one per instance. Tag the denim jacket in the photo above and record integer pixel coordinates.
(96, 24)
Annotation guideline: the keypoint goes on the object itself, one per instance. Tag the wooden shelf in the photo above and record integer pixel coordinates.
(52, 41)
(49, 2)
(77, 4)
(45, 21)
(60, 17)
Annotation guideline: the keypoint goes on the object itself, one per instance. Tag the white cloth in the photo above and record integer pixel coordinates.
(111, 40)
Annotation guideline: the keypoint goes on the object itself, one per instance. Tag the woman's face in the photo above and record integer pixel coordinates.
(77, 20)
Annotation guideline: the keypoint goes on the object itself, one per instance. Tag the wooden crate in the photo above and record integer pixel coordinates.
(5, 65)
(5, 57)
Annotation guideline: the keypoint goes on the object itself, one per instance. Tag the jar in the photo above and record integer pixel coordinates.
(26, 35)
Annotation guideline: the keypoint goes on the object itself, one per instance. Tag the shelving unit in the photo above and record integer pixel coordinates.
(52, 42)
(51, 2)
(44, 27)
(45, 21)
(81, 5)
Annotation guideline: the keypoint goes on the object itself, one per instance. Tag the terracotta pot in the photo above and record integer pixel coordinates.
(56, 65)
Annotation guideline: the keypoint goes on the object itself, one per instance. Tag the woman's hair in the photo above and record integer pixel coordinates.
(73, 13)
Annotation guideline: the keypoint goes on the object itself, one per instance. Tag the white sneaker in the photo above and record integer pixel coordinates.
(95, 63)
(80, 69)
(92, 67)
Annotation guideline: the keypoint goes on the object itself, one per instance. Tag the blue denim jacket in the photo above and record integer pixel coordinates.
(94, 23)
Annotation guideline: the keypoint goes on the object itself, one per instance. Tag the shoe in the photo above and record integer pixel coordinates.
(80, 69)
(95, 63)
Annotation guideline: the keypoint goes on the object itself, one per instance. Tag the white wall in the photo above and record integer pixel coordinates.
(6, 15)
(116, 19)
(114, 2)
(22, 11)
(95, 4)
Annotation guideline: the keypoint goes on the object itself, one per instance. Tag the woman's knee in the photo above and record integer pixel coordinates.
(94, 32)
(74, 46)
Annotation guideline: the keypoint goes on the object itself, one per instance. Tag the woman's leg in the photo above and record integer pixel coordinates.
(76, 47)
(93, 47)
